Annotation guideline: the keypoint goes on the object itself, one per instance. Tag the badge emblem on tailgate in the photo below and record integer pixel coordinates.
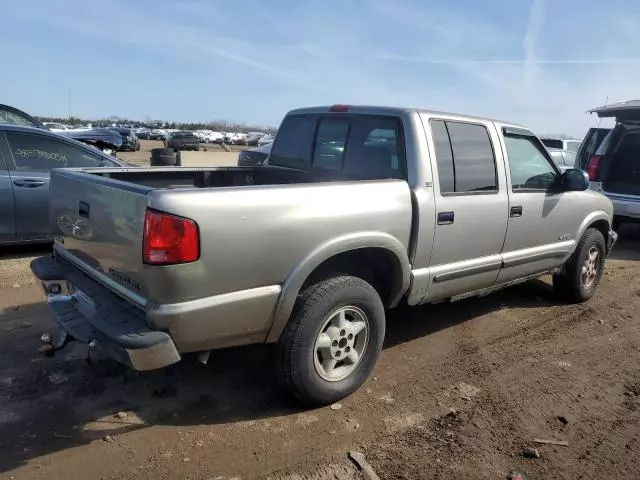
(123, 279)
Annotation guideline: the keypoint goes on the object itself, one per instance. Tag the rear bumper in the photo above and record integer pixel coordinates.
(93, 315)
(625, 206)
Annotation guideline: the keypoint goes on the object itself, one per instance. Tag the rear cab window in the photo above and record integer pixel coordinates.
(362, 146)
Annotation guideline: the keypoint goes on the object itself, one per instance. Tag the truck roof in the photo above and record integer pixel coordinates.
(397, 111)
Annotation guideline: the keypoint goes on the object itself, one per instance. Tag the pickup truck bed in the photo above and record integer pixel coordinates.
(229, 295)
(357, 210)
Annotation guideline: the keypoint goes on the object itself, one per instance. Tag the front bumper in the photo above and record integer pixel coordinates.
(92, 315)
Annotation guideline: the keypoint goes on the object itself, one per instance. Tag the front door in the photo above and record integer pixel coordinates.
(471, 208)
(542, 219)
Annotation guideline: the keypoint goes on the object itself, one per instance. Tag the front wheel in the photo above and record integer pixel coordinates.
(583, 271)
(332, 340)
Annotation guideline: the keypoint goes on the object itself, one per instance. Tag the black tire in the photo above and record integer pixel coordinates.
(296, 348)
(162, 157)
(161, 151)
(569, 285)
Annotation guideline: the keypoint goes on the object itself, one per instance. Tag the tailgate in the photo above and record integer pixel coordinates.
(98, 223)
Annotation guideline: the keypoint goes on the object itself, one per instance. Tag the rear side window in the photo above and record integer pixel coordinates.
(465, 158)
(367, 147)
(33, 152)
(444, 156)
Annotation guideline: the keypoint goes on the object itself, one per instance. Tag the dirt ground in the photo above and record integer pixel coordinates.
(141, 157)
(460, 391)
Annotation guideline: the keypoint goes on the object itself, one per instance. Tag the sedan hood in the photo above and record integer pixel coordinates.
(623, 111)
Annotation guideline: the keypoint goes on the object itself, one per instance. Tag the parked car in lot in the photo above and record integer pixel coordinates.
(564, 159)
(252, 157)
(130, 141)
(182, 140)
(142, 133)
(106, 140)
(358, 209)
(100, 138)
(27, 156)
(265, 140)
(56, 127)
(157, 134)
(614, 165)
(568, 145)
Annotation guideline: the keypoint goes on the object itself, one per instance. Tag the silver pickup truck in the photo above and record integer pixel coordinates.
(357, 210)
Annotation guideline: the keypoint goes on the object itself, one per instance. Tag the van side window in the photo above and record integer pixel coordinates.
(464, 156)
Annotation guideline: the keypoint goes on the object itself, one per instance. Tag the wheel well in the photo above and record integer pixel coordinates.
(603, 227)
(377, 266)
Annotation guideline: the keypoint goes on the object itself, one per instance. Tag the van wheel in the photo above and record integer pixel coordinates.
(584, 269)
(332, 340)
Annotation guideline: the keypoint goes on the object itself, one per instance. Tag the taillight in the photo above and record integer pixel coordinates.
(592, 167)
(169, 239)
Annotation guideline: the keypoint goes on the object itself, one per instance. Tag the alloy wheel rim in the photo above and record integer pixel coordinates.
(341, 343)
(590, 267)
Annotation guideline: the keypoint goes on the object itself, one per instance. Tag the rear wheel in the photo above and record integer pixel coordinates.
(583, 271)
(332, 340)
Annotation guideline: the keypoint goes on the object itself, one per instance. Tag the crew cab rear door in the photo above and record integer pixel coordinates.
(471, 205)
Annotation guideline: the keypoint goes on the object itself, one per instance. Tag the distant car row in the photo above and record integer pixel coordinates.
(251, 139)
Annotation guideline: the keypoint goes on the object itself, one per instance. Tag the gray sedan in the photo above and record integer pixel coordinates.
(27, 156)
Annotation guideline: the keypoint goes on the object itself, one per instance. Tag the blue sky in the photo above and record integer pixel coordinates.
(542, 63)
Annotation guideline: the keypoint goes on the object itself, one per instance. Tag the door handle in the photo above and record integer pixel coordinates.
(445, 218)
(516, 211)
(28, 183)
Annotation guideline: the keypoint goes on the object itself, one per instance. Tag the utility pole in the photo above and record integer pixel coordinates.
(69, 104)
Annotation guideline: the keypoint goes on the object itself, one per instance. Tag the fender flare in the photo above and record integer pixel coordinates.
(299, 274)
(590, 219)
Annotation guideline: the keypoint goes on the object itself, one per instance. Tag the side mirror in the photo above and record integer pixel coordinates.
(574, 180)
